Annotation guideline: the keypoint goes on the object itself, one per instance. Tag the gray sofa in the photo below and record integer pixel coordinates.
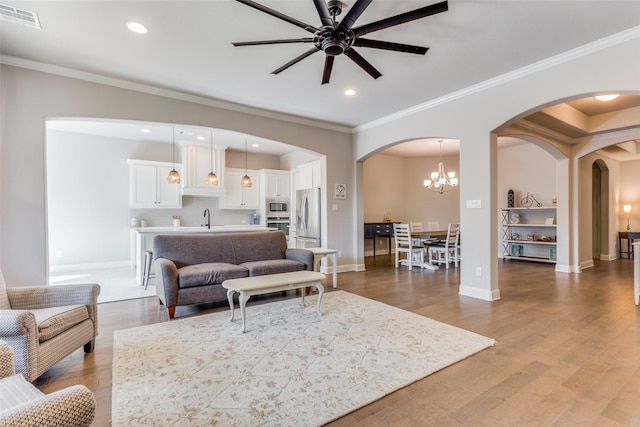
(190, 268)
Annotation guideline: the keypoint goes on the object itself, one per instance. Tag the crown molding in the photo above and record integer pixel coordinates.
(166, 93)
(587, 49)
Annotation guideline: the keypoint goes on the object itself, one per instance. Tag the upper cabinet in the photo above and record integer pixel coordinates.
(276, 184)
(238, 197)
(308, 176)
(149, 187)
(198, 161)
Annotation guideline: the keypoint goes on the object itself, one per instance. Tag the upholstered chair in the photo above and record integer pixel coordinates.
(44, 324)
(22, 404)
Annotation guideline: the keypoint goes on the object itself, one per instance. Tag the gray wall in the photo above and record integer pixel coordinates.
(29, 97)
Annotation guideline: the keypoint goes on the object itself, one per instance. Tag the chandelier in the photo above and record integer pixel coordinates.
(441, 181)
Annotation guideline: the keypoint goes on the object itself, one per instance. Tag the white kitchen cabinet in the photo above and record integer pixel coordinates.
(276, 183)
(149, 187)
(308, 175)
(529, 234)
(238, 197)
(197, 160)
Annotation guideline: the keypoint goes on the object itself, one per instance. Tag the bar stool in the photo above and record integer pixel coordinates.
(146, 272)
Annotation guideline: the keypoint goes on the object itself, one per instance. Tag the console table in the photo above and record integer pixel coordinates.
(379, 229)
(629, 236)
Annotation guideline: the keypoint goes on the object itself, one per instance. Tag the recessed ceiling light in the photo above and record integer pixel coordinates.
(350, 92)
(607, 97)
(200, 138)
(137, 27)
(145, 131)
(256, 145)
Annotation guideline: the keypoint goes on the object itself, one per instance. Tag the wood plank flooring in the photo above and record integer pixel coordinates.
(567, 351)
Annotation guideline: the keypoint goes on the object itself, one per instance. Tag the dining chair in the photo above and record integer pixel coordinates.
(447, 251)
(433, 225)
(416, 226)
(404, 243)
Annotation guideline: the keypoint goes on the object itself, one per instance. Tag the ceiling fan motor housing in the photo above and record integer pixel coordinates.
(333, 41)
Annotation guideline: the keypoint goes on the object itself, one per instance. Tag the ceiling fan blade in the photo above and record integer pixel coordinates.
(295, 60)
(279, 15)
(401, 19)
(328, 66)
(354, 13)
(355, 57)
(281, 41)
(379, 44)
(323, 11)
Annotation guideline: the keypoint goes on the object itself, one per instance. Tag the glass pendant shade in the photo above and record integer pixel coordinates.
(212, 179)
(245, 182)
(174, 176)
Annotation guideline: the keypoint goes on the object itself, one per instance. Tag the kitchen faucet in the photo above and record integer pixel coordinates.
(207, 221)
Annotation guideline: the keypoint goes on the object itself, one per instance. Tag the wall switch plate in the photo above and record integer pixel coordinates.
(334, 208)
(478, 271)
(474, 204)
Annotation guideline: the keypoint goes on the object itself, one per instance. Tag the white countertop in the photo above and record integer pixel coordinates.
(201, 229)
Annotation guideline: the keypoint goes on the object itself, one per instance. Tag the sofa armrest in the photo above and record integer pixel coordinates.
(35, 297)
(303, 255)
(7, 365)
(167, 281)
(69, 407)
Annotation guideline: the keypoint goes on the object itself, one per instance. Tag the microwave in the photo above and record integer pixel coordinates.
(277, 207)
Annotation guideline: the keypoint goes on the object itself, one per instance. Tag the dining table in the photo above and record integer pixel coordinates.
(426, 236)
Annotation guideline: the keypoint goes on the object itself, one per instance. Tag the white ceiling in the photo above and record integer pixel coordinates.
(188, 48)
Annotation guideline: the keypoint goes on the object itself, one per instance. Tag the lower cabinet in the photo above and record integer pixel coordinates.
(238, 197)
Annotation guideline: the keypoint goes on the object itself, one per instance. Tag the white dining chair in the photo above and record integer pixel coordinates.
(448, 251)
(433, 225)
(404, 243)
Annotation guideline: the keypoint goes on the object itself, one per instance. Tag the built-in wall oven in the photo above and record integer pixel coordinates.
(277, 207)
(279, 222)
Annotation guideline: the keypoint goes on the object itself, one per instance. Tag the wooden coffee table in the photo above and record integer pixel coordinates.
(257, 285)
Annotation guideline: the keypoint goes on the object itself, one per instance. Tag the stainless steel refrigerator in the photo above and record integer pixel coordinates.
(308, 218)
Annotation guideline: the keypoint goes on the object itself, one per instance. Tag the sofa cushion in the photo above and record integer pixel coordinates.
(260, 268)
(15, 390)
(209, 274)
(258, 246)
(53, 321)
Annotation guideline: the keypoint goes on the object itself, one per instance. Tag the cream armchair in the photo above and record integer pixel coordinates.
(45, 324)
(22, 404)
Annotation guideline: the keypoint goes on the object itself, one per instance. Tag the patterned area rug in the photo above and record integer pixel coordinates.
(292, 367)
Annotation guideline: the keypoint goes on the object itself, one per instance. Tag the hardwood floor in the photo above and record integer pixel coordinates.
(567, 350)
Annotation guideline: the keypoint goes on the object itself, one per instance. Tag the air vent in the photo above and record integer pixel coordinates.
(19, 16)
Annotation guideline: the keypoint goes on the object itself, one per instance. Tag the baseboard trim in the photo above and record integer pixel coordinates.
(93, 266)
(483, 294)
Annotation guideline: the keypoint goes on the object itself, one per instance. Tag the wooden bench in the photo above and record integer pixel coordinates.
(257, 285)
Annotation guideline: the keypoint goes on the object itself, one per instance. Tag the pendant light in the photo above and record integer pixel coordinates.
(245, 182)
(441, 181)
(174, 176)
(212, 179)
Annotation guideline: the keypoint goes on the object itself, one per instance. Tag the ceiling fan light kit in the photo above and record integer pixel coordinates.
(335, 38)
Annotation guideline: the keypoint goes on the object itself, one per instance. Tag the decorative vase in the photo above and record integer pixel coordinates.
(511, 199)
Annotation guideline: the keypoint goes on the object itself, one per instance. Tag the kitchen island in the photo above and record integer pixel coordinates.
(142, 239)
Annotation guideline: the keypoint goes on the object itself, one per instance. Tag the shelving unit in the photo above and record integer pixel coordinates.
(529, 234)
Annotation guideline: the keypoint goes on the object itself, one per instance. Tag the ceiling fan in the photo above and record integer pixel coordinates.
(335, 38)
